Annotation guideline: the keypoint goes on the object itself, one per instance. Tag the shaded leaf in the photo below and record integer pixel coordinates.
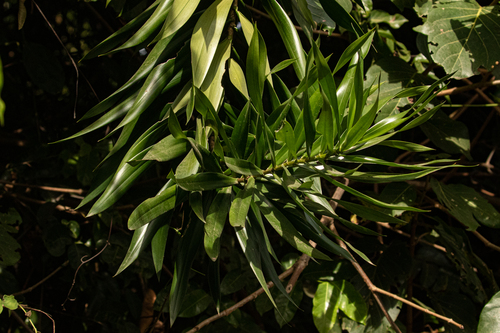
(206, 181)
(488, 321)
(215, 221)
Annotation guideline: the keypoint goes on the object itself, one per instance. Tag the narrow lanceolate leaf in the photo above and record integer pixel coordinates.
(206, 181)
(341, 16)
(241, 204)
(353, 48)
(180, 13)
(187, 250)
(151, 208)
(239, 136)
(151, 26)
(256, 68)
(168, 149)
(237, 78)
(463, 36)
(158, 245)
(122, 34)
(251, 250)
(140, 240)
(206, 36)
(242, 167)
(284, 228)
(288, 34)
(369, 213)
(216, 218)
(404, 145)
(466, 205)
(212, 86)
(126, 174)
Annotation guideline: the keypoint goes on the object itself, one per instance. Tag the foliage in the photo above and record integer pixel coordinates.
(246, 128)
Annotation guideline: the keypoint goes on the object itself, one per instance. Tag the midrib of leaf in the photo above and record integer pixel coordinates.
(468, 37)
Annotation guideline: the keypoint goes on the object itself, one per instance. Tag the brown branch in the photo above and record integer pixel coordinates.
(471, 86)
(61, 208)
(27, 290)
(244, 301)
(485, 241)
(21, 322)
(418, 307)
(315, 31)
(45, 188)
(45, 313)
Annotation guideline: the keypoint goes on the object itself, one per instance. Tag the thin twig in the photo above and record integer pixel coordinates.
(83, 262)
(315, 31)
(45, 313)
(46, 188)
(418, 307)
(69, 55)
(483, 95)
(27, 290)
(485, 241)
(471, 86)
(61, 208)
(244, 301)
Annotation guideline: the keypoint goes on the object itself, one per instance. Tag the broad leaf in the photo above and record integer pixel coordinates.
(466, 205)
(488, 322)
(463, 36)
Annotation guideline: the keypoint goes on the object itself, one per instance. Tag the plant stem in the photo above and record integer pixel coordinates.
(458, 90)
(45, 188)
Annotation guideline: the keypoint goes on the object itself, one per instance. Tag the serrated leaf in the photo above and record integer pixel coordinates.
(206, 35)
(466, 205)
(215, 221)
(463, 36)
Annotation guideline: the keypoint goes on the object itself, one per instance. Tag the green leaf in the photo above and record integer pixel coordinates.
(168, 149)
(10, 302)
(240, 132)
(141, 239)
(286, 309)
(466, 205)
(284, 228)
(237, 77)
(353, 48)
(488, 321)
(150, 27)
(282, 65)
(241, 204)
(215, 221)
(195, 302)
(151, 208)
(463, 36)
(251, 250)
(206, 181)
(404, 145)
(450, 135)
(369, 213)
(158, 245)
(214, 283)
(126, 174)
(206, 35)
(288, 34)
(341, 16)
(122, 34)
(187, 250)
(399, 194)
(330, 297)
(212, 84)
(8, 246)
(380, 16)
(243, 167)
(179, 14)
